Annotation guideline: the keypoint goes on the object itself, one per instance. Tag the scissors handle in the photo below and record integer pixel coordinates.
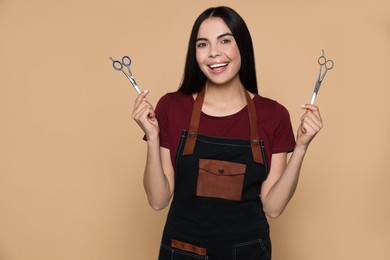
(126, 61)
(328, 63)
(327, 66)
(116, 64)
(323, 61)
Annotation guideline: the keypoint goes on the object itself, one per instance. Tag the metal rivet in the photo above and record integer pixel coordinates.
(221, 171)
(192, 134)
(255, 141)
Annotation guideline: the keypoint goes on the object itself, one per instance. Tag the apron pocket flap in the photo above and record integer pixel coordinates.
(222, 168)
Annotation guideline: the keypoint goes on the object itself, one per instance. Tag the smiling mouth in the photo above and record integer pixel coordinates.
(216, 66)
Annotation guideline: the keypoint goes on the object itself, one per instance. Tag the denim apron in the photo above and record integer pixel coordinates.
(216, 212)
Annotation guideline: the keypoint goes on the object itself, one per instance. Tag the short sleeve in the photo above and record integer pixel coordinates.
(162, 115)
(283, 140)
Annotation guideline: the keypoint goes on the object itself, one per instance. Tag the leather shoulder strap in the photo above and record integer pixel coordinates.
(194, 124)
(255, 140)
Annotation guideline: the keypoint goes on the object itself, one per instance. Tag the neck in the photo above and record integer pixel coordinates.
(227, 91)
(222, 100)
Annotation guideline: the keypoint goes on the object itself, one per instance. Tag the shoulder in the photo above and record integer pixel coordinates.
(174, 103)
(175, 98)
(269, 106)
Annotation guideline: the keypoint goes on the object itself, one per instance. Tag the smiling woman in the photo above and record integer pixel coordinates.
(218, 169)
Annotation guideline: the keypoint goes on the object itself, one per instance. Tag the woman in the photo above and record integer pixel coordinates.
(228, 168)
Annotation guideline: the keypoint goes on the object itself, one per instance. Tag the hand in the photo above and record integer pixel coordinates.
(144, 115)
(311, 124)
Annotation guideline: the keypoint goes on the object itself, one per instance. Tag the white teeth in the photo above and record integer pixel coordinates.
(218, 65)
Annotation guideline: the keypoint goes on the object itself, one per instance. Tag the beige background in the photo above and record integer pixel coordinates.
(71, 158)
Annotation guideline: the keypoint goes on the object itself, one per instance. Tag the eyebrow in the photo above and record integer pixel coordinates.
(219, 37)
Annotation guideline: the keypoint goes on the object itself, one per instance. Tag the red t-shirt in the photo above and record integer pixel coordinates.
(173, 112)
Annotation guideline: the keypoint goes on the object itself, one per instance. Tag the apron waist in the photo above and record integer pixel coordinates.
(219, 226)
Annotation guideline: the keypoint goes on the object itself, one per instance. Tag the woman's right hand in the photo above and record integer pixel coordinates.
(144, 115)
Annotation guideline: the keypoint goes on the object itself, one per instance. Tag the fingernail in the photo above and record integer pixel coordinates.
(302, 106)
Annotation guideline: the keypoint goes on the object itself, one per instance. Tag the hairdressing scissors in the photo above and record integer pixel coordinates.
(328, 64)
(119, 65)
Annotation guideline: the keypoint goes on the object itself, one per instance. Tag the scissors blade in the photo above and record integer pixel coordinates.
(132, 81)
(315, 92)
(317, 86)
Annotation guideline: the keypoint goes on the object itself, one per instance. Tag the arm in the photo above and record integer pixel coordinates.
(280, 185)
(158, 174)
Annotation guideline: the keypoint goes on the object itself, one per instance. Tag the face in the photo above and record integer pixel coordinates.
(217, 52)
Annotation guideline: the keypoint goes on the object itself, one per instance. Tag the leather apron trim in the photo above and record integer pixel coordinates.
(188, 247)
(194, 127)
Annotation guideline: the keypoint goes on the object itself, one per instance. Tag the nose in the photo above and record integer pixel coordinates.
(214, 51)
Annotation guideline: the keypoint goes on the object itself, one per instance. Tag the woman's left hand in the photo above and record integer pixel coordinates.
(311, 124)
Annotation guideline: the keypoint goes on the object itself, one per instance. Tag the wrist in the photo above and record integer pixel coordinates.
(152, 138)
(301, 149)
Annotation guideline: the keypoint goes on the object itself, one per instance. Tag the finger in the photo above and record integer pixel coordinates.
(151, 113)
(143, 112)
(140, 98)
(138, 110)
(315, 117)
(141, 106)
(309, 107)
(146, 111)
(311, 125)
(314, 109)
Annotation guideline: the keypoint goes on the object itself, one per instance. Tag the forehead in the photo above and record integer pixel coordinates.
(213, 27)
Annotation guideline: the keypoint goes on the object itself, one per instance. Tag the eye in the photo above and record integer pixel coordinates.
(225, 41)
(201, 44)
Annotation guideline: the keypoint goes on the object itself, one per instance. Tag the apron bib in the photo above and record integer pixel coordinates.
(216, 212)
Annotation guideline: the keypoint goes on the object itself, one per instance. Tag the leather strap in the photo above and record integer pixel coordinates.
(194, 126)
(255, 140)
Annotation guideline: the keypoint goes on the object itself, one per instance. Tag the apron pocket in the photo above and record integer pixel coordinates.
(254, 249)
(220, 179)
